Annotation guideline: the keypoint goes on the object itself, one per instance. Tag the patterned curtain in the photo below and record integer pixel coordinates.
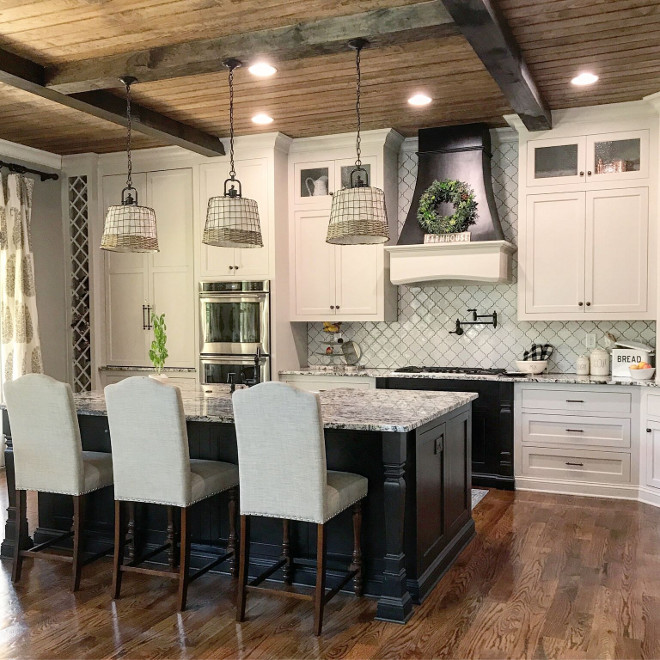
(21, 350)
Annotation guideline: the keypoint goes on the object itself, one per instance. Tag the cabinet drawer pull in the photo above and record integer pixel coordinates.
(574, 430)
(588, 304)
(332, 306)
(581, 173)
(574, 401)
(577, 464)
(648, 430)
(580, 304)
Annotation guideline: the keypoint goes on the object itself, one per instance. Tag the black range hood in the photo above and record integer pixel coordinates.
(462, 153)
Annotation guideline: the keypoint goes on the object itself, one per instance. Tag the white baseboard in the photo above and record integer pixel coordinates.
(620, 492)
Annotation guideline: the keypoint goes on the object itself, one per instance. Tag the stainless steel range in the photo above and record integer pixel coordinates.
(476, 371)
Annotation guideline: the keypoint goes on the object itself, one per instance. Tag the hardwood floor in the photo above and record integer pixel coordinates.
(548, 576)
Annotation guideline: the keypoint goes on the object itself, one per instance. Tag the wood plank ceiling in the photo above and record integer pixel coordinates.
(617, 39)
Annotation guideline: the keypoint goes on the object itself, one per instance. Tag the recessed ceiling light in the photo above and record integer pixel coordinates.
(419, 99)
(584, 79)
(262, 118)
(262, 69)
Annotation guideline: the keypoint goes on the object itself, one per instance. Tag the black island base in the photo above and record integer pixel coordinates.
(414, 447)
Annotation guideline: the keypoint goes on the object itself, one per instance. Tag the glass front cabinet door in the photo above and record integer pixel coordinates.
(555, 161)
(617, 156)
(588, 159)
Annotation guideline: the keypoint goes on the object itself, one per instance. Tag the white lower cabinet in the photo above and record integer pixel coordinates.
(572, 439)
(651, 473)
(314, 383)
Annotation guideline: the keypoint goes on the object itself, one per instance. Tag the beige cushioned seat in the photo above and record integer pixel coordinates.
(150, 447)
(281, 457)
(48, 454)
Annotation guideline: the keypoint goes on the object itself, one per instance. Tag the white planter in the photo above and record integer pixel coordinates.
(161, 378)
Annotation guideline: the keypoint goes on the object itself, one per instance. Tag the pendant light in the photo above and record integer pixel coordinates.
(232, 220)
(358, 215)
(128, 226)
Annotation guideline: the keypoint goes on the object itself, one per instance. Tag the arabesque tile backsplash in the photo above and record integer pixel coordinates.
(427, 314)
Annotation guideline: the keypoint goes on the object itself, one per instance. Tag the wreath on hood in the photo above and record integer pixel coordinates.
(457, 193)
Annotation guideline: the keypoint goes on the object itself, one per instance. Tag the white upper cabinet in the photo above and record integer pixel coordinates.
(590, 159)
(236, 263)
(616, 260)
(587, 217)
(341, 282)
(586, 255)
(138, 284)
(554, 256)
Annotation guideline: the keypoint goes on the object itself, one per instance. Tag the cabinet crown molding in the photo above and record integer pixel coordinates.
(387, 137)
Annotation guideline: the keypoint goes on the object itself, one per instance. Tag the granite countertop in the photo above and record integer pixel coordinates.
(363, 410)
(151, 370)
(568, 379)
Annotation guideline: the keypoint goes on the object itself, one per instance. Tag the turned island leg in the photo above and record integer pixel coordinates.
(395, 603)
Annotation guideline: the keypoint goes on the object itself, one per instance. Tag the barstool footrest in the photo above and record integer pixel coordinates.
(149, 555)
(47, 544)
(128, 568)
(345, 580)
(98, 555)
(284, 593)
(268, 572)
(207, 567)
(52, 556)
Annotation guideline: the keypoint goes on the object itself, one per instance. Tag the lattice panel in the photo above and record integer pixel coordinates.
(80, 301)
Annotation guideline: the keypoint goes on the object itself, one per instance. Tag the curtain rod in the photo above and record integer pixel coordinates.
(21, 169)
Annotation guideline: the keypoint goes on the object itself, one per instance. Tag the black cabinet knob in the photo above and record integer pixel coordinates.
(588, 304)
(589, 173)
(580, 304)
(581, 173)
(649, 430)
(332, 306)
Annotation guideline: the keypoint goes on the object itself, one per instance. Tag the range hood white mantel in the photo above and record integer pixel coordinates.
(449, 263)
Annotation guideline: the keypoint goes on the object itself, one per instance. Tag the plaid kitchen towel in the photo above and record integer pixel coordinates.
(539, 352)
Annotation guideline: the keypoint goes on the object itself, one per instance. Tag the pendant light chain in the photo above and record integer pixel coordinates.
(232, 168)
(358, 162)
(129, 125)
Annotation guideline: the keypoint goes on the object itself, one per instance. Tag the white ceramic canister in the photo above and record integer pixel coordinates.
(599, 362)
(582, 365)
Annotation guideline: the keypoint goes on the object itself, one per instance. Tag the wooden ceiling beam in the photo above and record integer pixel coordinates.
(29, 76)
(382, 27)
(490, 37)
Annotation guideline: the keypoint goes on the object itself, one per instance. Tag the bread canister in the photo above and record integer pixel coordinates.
(582, 365)
(599, 362)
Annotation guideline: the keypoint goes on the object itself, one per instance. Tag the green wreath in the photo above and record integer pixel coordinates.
(457, 193)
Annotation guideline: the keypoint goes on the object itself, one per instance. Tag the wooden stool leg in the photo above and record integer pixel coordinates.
(231, 540)
(21, 534)
(130, 532)
(319, 594)
(287, 570)
(120, 546)
(171, 551)
(78, 522)
(184, 561)
(243, 565)
(356, 565)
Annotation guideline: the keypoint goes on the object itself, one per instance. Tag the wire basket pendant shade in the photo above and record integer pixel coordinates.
(128, 226)
(232, 221)
(358, 215)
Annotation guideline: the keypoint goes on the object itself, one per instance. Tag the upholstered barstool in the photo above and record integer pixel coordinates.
(49, 458)
(283, 474)
(152, 464)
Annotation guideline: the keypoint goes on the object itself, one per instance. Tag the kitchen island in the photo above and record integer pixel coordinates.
(413, 446)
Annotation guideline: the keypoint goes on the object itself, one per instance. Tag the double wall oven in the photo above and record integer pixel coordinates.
(235, 332)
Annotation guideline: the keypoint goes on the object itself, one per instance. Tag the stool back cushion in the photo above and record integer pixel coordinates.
(281, 452)
(150, 456)
(45, 435)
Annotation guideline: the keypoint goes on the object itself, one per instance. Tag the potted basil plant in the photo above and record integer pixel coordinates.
(158, 351)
